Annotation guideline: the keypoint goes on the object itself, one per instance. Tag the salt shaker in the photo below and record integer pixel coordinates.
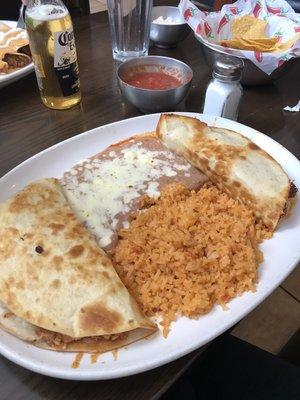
(224, 92)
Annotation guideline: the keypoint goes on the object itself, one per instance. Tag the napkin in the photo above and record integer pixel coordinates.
(296, 108)
(282, 20)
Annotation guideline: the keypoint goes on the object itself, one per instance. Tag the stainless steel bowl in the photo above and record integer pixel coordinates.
(165, 36)
(148, 100)
(252, 75)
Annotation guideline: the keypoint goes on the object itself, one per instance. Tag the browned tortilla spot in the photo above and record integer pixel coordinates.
(20, 285)
(11, 280)
(58, 268)
(8, 314)
(33, 275)
(56, 227)
(97, 316)
(272, 215)
(14, 231)
(204, 161)
(56, 283)
(237, 184)
(105, 275)
(26, 201)
(78, 230)
(253, 146)
(76, 251)
(120, 285)
(106, 263)
(112, 291)
(11, 299)
(72, 280)
(5, 251)
(57, 260)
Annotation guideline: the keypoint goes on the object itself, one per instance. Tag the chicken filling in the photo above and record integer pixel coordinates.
(58, 340)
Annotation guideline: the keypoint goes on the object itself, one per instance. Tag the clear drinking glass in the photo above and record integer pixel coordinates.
(129, 22)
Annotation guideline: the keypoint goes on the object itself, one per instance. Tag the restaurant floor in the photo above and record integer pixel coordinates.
(233, 369)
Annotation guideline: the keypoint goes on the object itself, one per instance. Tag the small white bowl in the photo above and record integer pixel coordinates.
(168, 35)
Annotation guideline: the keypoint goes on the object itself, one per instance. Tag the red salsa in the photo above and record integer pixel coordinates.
(153, 80)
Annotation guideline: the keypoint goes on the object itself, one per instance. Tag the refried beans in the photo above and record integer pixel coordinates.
(104, 190)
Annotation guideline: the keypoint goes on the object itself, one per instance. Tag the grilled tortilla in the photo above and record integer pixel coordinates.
(233, 162)
(58, 289)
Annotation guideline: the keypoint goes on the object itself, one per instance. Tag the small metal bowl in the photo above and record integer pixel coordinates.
(166, 36)
(152, 100)
(252, 75)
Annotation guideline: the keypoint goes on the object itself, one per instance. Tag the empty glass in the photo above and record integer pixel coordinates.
(129, 22)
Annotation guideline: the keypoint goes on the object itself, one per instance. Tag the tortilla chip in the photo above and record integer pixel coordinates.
(248, 33)
(248, 27)
(264, 44)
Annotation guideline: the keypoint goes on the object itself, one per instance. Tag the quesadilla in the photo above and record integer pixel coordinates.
(58, 289)
(233, 163)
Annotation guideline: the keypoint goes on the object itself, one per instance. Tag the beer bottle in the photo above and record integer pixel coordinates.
(51, 39)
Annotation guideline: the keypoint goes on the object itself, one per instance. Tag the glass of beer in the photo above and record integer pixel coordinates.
(51, 39)
(129, 22)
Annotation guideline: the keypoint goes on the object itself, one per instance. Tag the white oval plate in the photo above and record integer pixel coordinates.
(6, 79)
(281, 254)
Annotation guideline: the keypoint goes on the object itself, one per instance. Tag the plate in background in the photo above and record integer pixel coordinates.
(7, 79)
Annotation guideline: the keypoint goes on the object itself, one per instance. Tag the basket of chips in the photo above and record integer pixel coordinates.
(264, 33)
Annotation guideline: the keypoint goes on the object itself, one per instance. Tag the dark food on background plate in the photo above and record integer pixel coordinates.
(14, 49)
(58, 289)
(181, 214)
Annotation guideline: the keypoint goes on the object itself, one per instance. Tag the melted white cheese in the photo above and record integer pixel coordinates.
(108, 187)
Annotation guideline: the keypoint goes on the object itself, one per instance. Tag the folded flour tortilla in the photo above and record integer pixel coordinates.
(58, 289)
(233, 162)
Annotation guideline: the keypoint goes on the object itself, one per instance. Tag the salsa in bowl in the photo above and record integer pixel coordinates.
(154, 83)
